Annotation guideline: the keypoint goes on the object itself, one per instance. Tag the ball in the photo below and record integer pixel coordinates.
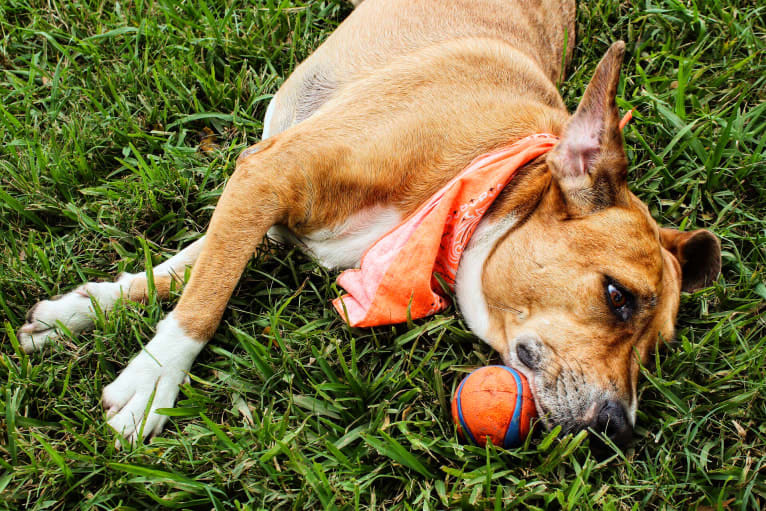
(494, 402)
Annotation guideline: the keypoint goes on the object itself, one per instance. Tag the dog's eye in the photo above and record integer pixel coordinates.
(616, 296)
(620, 301)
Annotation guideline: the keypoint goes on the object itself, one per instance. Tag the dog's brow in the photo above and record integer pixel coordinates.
(646, 296)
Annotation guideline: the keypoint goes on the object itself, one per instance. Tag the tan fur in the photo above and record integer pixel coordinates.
(395, 103)
(379, 32)
(561, 297)
(170, 275)
(398, 92)
(400, 98)
(254, 199)
(139, 288)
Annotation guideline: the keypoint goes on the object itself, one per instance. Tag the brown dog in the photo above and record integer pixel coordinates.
(567, 277)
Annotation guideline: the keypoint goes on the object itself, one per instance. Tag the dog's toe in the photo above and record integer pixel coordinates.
(73, 310)
(33, 337)
(127, 419)
(116, 396)
(130, 419)
(151, 381)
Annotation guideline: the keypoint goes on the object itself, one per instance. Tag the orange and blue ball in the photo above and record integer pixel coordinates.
(495, 403)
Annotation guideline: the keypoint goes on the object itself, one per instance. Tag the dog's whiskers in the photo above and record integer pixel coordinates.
(504, 307)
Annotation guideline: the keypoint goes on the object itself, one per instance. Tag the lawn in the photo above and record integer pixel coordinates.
(101, 109)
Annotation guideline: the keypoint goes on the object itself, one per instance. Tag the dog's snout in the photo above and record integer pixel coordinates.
(528, 352)
(612, 421)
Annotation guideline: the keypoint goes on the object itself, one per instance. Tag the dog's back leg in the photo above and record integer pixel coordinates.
(75, 311)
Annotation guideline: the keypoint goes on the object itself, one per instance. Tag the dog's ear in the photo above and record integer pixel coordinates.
(589, 162)
(699, 254)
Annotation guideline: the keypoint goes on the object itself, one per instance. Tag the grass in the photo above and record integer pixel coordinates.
(100, 109)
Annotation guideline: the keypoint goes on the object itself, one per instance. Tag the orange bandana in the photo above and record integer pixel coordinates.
(396, 279)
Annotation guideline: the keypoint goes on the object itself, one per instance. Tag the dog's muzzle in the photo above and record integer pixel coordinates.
(566, 397)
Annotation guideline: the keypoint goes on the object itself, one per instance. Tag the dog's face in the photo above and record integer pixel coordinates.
(582, 291)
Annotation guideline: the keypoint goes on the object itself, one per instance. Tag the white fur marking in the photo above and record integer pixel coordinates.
(73, 310)
(344, 246)
(468, 286)
(633, 408)
(176, 265)
(267, 119)
(159, 368)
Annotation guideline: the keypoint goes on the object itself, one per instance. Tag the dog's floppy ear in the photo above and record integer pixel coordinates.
(699, 254)
(589, 162)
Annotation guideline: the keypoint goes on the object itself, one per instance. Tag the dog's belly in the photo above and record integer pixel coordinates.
(343, 246)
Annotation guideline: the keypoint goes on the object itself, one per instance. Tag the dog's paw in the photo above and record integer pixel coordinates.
(150, 382)
(73, 310)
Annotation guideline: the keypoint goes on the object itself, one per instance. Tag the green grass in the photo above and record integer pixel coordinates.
(100, 109)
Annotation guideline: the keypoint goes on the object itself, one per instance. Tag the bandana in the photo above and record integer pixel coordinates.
(396, 280)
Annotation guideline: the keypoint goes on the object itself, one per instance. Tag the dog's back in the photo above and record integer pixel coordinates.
(379, 32)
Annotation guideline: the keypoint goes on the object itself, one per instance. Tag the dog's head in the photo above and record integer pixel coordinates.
(581, 291)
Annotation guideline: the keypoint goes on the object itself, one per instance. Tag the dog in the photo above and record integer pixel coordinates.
(567, 276)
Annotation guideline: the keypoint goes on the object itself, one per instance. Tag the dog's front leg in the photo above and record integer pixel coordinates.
(75, 310)
(252, 201)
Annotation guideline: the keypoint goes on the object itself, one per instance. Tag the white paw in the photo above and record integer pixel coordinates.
(73, 310)
(153, 376)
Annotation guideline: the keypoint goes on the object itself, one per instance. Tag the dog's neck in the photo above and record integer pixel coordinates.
(515, 204)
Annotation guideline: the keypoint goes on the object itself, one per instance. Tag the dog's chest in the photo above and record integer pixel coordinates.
(343, 246)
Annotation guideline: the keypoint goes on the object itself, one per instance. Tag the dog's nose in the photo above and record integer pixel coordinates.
(612, 421)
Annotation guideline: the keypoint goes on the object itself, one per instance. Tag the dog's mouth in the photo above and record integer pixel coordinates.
(556, 404)
(570, 401)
